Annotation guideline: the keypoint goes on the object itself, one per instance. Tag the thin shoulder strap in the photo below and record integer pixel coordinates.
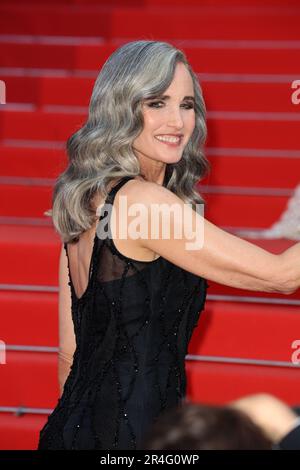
(115, 189)
(111, 196)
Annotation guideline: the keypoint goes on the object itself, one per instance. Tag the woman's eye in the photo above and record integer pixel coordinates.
(154, 104)
(189, 106)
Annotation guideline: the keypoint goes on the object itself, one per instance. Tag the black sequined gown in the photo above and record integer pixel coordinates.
(132, 326)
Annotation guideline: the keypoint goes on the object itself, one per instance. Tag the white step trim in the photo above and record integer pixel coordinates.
(241, 361)
(23, 410)
(214, 297)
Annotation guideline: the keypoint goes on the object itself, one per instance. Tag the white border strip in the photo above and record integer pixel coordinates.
(253, 115)
(28, 288)
(37, 221)
(22, 410)
(21, 107)
(222, 151)
(254, 300)
(246, 78)
(24, 348)
(54, 40)
(214, 297)
(205, 77)
(245, 152)
(248, 191)
(40, 144)
(238, 43)
(240, 361)
(47, 222)
(26, 181)
(44, 72)
(207, 189)
(188, 357)
(225, 115)
(117, 41)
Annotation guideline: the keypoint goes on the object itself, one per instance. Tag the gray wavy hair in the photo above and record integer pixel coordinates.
(101, 150)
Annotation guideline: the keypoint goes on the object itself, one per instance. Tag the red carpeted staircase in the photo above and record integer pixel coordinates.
(246, 54)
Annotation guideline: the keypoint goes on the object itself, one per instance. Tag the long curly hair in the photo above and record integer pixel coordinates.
(101, 150)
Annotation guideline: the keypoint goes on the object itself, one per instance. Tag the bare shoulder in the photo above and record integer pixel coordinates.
(140, 195)
(133, 188)
(147, 193)
(139, 190)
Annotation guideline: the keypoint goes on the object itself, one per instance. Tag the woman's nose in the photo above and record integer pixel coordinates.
(175, 118)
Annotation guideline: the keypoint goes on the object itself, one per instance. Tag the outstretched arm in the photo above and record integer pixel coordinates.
(223, 258)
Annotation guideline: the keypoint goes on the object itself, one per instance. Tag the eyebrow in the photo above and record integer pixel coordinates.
(166, 97)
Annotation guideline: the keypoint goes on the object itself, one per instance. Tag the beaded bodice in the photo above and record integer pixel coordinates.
(132, 326)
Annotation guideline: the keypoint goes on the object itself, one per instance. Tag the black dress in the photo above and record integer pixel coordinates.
(132, 325)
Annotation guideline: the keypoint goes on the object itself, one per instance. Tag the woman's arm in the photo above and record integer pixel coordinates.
(223, 258)
(67, 343)
(290, 259)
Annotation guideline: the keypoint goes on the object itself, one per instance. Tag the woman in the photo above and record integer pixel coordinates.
(128, 305)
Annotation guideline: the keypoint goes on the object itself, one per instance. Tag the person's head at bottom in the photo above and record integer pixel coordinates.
(205, 427)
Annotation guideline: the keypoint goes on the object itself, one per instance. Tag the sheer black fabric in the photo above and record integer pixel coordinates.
(132, 325)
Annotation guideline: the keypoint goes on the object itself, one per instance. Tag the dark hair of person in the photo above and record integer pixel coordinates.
(205, 427)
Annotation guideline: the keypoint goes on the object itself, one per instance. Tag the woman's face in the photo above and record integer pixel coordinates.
(169, 121)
